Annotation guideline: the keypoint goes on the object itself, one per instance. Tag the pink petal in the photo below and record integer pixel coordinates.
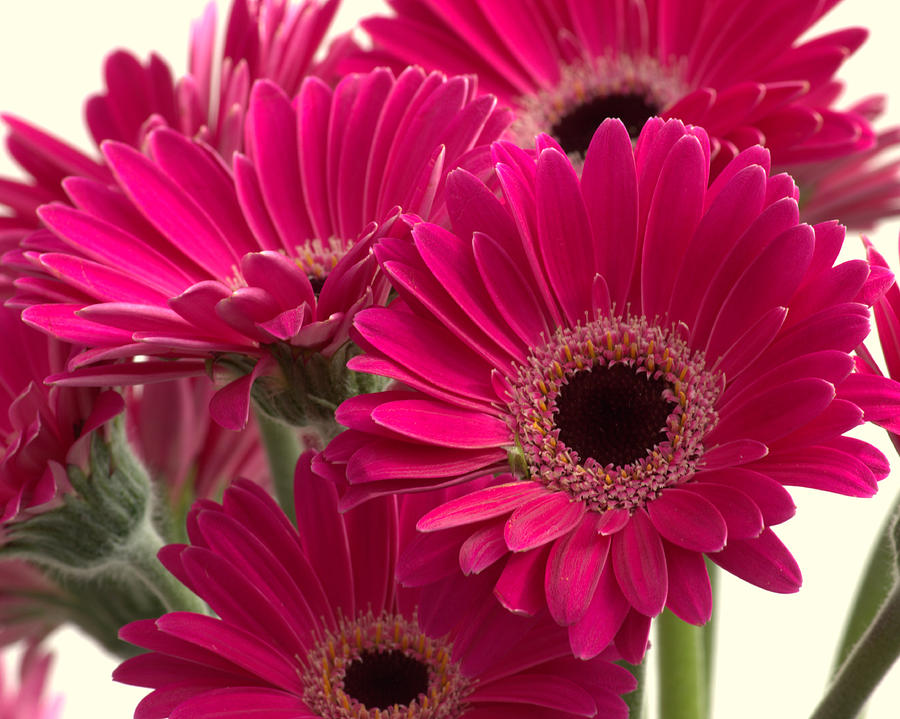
(438, 423)
(763, 561)
(640, 564)
(688, 520)
(481, 505)
(609, 187)
(541, 520)
(690, 593)
(573, 571)
(521, 585)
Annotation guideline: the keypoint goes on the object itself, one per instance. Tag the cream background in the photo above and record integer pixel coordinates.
(774, 651)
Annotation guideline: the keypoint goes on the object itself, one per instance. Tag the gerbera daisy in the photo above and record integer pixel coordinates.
(262, 269)
(737, 68)
(643, 360)
(264, 39)
(310, 623)
(26, 697)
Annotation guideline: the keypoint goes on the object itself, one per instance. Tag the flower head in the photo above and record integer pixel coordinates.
(739, 69)
(642, 360)
(263, 268)
(311, 623)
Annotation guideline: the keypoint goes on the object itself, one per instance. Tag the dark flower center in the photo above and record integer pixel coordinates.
(612, 413)
(317, 284)
(576, 128)
(382, 679)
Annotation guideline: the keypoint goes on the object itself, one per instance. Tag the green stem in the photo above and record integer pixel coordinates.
(874, 586)
(865, 666)
(708, 631)
(635, 699)
(682, 678)
(142, 562)
(282, 450)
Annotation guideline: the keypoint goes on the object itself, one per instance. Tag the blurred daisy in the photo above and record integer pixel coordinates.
(643, 359)
(738, 69)
(310, 623)
(25, 697)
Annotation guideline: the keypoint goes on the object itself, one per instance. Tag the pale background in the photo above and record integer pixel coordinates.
(774, 651)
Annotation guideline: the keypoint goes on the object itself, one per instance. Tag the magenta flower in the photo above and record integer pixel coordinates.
(42, 429)
(26, 697)
(264, 39)
(736, 68)
(643, 360)
(310, 623)
(263, 268)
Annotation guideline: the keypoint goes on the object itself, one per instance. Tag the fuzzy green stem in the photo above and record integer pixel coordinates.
(865, 666)
(142, 562)
(282, 450)
(874, 585)
(682, 676)
(635, 699)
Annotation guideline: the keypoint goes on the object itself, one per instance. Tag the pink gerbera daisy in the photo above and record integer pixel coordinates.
(262, 269)
(26, 697)
(264, 39)
(311, 624)
(643, 360)
(737, 68)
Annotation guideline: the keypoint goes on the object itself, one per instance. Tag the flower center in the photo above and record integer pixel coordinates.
(612, 412)
(382, 679)
(575, 129)
(383, 667)
(317, 258)
(633, 89)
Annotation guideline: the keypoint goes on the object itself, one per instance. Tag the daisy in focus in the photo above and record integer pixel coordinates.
(259, 269)
(311, 624)
(641, 360)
